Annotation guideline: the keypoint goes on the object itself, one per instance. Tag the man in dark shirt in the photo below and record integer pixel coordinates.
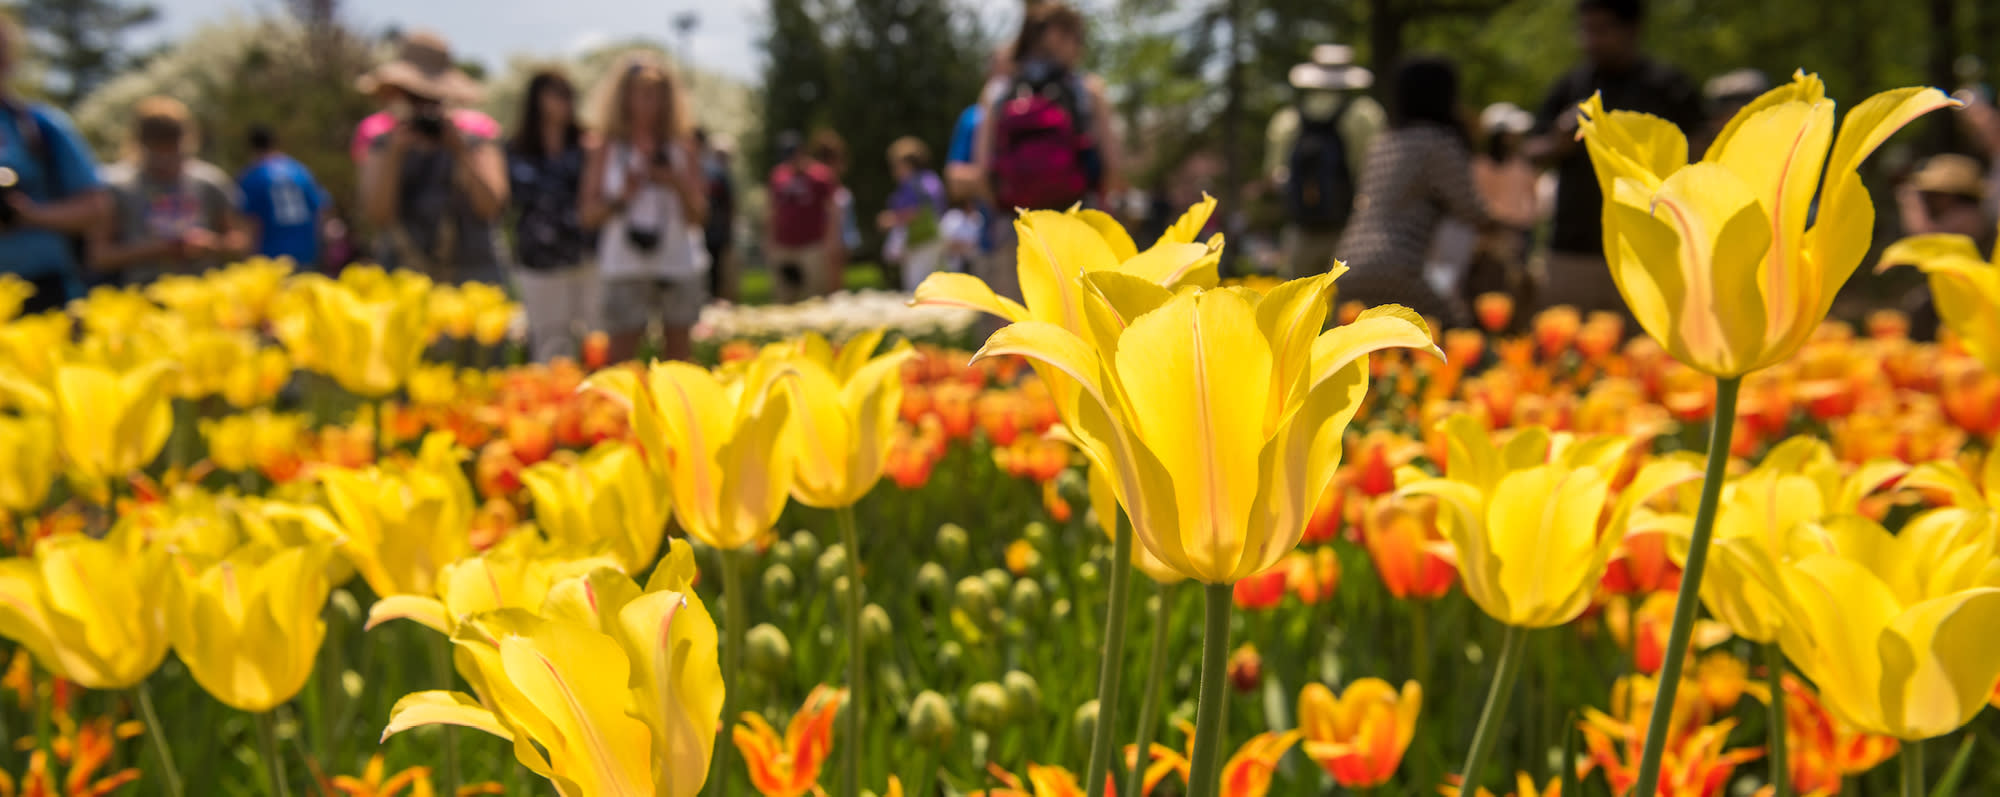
(1608, 30)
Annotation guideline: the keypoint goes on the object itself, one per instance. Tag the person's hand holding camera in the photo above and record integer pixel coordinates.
(197, 243)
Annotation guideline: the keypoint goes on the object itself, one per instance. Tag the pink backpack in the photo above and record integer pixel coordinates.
(1039, 148)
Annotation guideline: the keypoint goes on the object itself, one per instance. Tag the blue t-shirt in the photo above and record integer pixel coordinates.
(51, 163)
(285, 200)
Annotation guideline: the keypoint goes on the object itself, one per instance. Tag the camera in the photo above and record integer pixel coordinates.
(428, 121)
(10, 181)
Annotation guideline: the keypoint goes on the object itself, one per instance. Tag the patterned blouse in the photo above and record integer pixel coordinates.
(549, 232)
(1415, 177)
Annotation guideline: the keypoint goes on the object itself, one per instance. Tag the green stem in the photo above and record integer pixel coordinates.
(1913, 769)
(1156, 671)
(1722, 425)
(1207, 753)
(381, 428)
(1774, 673)
(1420, 625)
(735, 615)
(274, 761)
(1512, 650)
(143, 695)
(851, 719)
(1102, 748)
(441, 673)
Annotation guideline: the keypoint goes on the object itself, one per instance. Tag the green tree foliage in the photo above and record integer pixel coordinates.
(797, 76)
(81, 43)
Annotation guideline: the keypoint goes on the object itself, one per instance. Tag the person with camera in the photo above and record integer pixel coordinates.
(49, 192)
(644, 193)
(435, 191)
(174, 214)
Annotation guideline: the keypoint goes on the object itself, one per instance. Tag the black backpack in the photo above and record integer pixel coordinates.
(1319, 195)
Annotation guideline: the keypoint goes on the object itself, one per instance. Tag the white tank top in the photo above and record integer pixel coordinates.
(679, 254)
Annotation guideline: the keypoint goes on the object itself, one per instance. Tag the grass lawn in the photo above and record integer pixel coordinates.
(756, 286)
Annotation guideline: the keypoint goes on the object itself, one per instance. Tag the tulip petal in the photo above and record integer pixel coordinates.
(428, 612)
(1291, 317)
(1694, 246)
(577, 679)
(1389, 326)
(673, 642)
(1542, 525)
(439, 707)
(1056, 249)
(1630, 145)
(1805, 88)
(1197, 373)
(1188, 227)
(1940, 660)
(1114, 234)
(1165, 264)
(1296, 465)
(1779, 156)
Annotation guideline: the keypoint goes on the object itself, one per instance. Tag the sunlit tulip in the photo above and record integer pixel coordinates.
(1895, 628)
(1312, 576)
(1528, 520)
(1964, 286)
(14, 293)
(368, 341)
(110, 423)
(1524, 786)
(403, 521)
(608, 690)
(257, 440)
(248, 626)
(731, 469)
(1402, 538)
(88, 609)
(515, 574)
(606, 497)
(1971, 501)
(789, 766)
(30, 350)
(1043, 781)
(1359, 737)
(1220, 414)
(28, 462)
(1104, 502)
(1715, 258)
(1247, 773)
(1695, 765)
(1823, 751)
(843, 415)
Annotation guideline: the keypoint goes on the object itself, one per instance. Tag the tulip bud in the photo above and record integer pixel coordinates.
(782, 553)
(975, 598)
(875, 625)
(805, 545)
(950, 655)
(999, 580)
(767, 651)
(1024, 696)
(1087, 574)
(931, 722)
(833, 563)
(1026, 602)
(986, 706)
(1060, 610)
(953, 545)
(1036, 533)
(1073, 487)
(839, 589)
(1084, 722)
(933, 582)
(779, 582)
(1246, 669)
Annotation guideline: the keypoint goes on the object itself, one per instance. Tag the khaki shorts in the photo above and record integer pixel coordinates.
(631, 304)
(798, 273)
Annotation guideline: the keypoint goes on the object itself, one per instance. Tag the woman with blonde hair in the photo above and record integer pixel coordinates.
(643, 192)
(172, 213)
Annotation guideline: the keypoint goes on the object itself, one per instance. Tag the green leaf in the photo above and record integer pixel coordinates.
(1570, 786)
(1948, 785)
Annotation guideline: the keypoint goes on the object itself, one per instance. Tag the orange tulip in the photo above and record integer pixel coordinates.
(1402, 538)
(1696, 765)
(1265, 590)
(1045, 781)
(1359, 737)
(1822, 751)
(1312, 576)
(1245, 774)
(1555, 329)
(789, 767)
(1325, 522)
(1495, 311)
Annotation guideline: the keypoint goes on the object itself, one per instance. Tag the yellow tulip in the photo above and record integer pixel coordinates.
(88, 609)
(111, 423)
(404, 521)
(1761, 520)
(1971, 501)
(1220, 411)
(730, 469)
(1715, 258)
(367, 336)
(113, 312)
(1965, 288)
(246, 442)
(843, 415)
(1104, 503)
(608, 496)
(1896, 629)
(187, 520)
(234, 297)
(515, 574)
(248, 625)
(30, 350)
(608, 691)
(28, 462)
(256, 379)
(1527, 520)
(14, 293)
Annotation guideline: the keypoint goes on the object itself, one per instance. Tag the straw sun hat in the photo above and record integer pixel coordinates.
(423, 66)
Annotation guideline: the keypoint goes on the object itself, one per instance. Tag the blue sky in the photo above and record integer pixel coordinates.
(492, 30)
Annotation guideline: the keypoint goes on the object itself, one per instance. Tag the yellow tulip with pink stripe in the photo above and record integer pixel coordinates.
(1716, 258)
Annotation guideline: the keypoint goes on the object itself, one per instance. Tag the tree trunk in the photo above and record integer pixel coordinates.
(1944, 48)
(1385, 39)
